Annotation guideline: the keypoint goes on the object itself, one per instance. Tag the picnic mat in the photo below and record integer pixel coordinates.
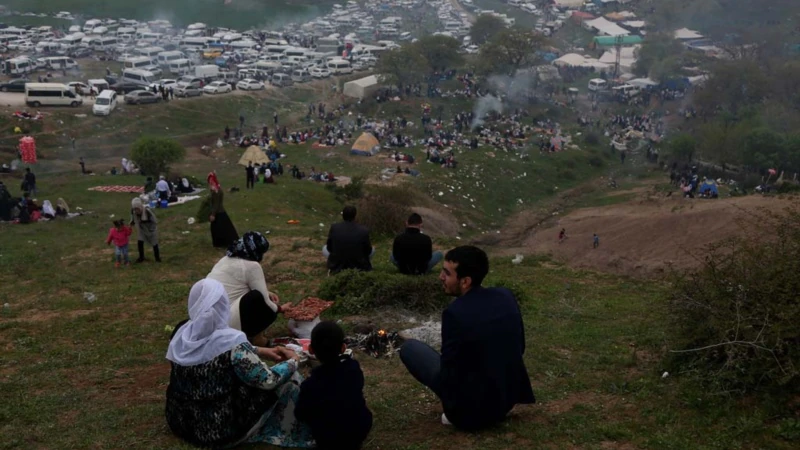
(126, 189)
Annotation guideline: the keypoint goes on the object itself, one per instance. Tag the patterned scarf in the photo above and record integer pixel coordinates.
(251, 246)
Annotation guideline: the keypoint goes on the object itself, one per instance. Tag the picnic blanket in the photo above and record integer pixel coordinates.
(125, 189)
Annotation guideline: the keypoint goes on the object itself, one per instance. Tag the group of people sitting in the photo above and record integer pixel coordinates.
(222, 393)
(27, 210)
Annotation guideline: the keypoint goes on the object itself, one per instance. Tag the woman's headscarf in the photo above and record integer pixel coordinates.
(206, 335)
(251, 246)
(47, 208)
(63, 205)
(213, 183)
(136, 203)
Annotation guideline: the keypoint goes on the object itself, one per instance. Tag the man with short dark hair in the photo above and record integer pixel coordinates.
(480, 374)
(348, 245)
(412, 251)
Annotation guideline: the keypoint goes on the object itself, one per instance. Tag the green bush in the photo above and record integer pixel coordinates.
(154, 155)
(384, 210)
(357, 292)
(735, 320)
(567, 175)
(596, 161)
(592, 138)
(352, 191)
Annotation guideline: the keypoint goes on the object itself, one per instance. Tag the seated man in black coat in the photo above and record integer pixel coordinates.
(348, 244)
(412, 251)
(480, 374)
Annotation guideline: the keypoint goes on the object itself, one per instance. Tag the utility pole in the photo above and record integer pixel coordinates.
(618, 56)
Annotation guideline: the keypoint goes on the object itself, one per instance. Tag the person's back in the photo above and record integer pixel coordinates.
(348, 244)
(331, 400)
(483, 373)
(412, 251)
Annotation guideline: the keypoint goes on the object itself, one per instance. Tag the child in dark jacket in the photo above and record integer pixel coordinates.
(331, 400)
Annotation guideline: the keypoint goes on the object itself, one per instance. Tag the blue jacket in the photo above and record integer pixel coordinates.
(483, 374)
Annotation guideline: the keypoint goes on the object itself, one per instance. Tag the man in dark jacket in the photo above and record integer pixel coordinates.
(480, 374)
(348, 245)
(412, 251)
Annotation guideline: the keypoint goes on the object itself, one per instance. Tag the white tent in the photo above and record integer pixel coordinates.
(687, 34)
(362, 87)
(635, 24)
(605, 27)
(576, 60)
(627, 58)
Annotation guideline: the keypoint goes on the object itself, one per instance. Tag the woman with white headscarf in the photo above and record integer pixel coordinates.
(220, 393)
(146, 228)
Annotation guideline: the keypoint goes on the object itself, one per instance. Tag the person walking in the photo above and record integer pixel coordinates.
(595, 241)
(83, 164)
(275, 118)
(241, 121)
(30, 182)
(146, 228)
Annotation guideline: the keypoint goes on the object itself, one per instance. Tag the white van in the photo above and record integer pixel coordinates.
(150, 52)
(47, 47)
(90, 25)
(627, 90)
(105, 103)
(126, 34)
(281, 80)
(301, 76)
(18, 66)
(597, 84)
(141, 62)
(60, 62)
(50, 94)
(181, 66)
(339, 66)
(165, 58)
(105, 44)
(138, 76)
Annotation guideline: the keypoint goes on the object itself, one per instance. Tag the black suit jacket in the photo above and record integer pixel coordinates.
(349, 246)
(483, 372)
(412, 250)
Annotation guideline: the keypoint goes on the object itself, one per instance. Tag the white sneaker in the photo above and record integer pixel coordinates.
(445, 421)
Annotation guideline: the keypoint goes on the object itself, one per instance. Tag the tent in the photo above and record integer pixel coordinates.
(605, 27)
(709, 189)
(361, 88)
(365, 145)
(685, 34)
(254, 155)
(611, 41)
(643, 82)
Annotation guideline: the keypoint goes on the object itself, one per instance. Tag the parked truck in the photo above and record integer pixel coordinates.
(207, 71)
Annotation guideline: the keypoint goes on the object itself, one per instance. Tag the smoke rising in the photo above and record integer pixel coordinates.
(483, 106)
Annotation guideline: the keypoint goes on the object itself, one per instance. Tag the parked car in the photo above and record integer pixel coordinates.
(188, 91)
(190, 81)
(166, 82)
(14, 86)
(124, 87)
(249, 84)
(320, 72)
(139, 97)
(80, 52)
(80, 88)
(217, 87)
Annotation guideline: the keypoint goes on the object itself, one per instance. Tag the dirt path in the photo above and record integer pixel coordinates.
(642, 237)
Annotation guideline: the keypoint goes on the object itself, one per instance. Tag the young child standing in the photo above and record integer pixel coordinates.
(119, 235)
(331, 400)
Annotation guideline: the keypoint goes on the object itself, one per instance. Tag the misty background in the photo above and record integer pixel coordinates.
(240, 14)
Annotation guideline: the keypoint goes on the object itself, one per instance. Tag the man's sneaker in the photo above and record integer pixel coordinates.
(445, 421)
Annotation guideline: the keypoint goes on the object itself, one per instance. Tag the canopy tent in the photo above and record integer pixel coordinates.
(626, 61)
(255, 155)
(361, 88)
(687, 34)
(605, 27)
(610, 41)
(365, 145)
(642, 82)
(568, 3)
(635, 24)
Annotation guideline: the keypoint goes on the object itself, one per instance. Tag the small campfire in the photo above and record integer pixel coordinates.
(379, 343)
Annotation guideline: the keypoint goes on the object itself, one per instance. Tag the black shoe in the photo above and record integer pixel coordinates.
(140, 260)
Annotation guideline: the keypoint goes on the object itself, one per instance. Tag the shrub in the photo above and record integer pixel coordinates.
(384, 210)
(596, 161)
(154, 155)
(567, 175)
(356, 292)
(592, 138)
(352, 191)
(735, 319)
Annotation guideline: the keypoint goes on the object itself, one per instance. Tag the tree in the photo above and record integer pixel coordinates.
(440, 52)
(510, 50)
(154, 155)
(403, 66)
(764, 149)
(682, 147)
(733, 86)
(486, 26)
(659, 57)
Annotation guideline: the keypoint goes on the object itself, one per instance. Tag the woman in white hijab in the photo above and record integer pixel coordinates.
(220, 393)
(48, 210)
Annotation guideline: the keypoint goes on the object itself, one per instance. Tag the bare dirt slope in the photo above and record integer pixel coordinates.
(641, 237)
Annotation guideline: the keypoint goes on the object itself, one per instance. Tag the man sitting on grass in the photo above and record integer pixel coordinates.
(412, 251)
(480, 374)
(348, 245)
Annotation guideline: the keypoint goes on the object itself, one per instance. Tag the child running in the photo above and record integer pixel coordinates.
(595, 241)
(562, 235)
(331, 400)
(119, 235)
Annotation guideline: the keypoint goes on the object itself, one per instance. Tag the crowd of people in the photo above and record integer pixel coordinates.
(223, 392)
